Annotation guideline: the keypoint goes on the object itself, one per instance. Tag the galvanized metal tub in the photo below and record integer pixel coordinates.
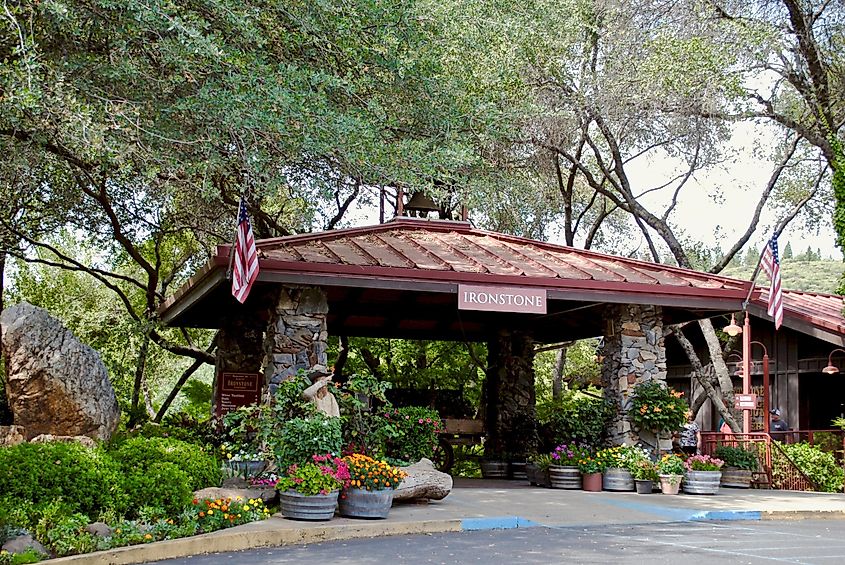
(565, 477)
(517, 470)
(617, 479)
(298, 506)
(702, 482)
(363, 503)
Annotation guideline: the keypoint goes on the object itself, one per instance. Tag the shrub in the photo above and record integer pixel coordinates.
(657, 408)
(575, 418)
(301, 438)
(88, 480)
(737, 457)
(160, 485)
(411, 432)
(820, 466)
(203, 470)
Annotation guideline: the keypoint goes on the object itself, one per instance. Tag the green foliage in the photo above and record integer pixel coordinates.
(301, 438)
(212, 515)
(139, 454)
(819, 465)
(738, 457)
(65, 534)
(623, 457)
(362, 426)
(411, 432)
(657, 408)
(670, 464)
(316, 476)
(88, 480)
(809, 276)
(645, 470)
(575, 417)
(23, 558)
(159, 485)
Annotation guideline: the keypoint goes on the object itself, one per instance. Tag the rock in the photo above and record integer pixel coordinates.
(55, 384)
(268, 495)
(50, 438)
(99, 529)
(12, 435)
(423, 481)
(19, 544)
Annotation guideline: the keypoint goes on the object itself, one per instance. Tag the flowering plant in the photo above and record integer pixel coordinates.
(703, 463)
(621, 456)
(411, 432)
(370, 474)
(325, 474)
(268, 480)
(644, 470)
(589, 465)
(658, 408)
(543, 461)
(569, 454)
(214, 514)
(670, 464)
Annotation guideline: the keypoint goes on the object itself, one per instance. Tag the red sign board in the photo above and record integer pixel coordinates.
(237, 389)
(502, 299)
(745, 401)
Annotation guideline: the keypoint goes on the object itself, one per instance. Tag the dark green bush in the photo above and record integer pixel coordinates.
(162, 486)
(301, 438)
(140, 453)
(88, 480)
(737, 457)
(411, 432)
(575, 417)
(820, 466)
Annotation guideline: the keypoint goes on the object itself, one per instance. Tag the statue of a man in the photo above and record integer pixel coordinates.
(319, 393)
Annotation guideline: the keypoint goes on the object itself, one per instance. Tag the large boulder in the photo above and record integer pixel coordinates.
(12, 435)
(423, 481)
(55, 384)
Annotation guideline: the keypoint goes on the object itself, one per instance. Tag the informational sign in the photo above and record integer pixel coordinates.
(237, 389)
(502, 299)
(745, 401)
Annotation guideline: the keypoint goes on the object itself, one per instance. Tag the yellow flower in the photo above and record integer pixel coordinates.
(148, 536)
(210, 512)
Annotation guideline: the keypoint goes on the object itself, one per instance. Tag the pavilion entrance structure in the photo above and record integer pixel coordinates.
(445, 280)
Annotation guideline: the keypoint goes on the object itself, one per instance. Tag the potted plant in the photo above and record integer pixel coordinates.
(670, 470)
(309, 491)
(738, 467)
(537, 469)
(658, 408)
(368, 492)
(563, 471)
(703, 474)
(645, 475)
(617, 464)
(591, 479)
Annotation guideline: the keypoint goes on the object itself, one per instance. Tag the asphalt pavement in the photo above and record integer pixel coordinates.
(481, 505)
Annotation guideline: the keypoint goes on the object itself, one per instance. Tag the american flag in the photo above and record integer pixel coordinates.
(245, 269)
(771, 264)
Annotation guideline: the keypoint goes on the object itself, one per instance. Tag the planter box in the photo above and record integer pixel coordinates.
(363, 503)
(644, 486)
(298, 506)
(736, 478)
(494, 469)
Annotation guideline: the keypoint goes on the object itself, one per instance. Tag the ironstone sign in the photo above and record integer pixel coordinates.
(502, 299)
(237, 389)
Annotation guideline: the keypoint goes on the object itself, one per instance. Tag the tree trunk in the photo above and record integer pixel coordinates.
(726, 385)
(699, 372)
(134, 415)
(342, 356)
(560, 369)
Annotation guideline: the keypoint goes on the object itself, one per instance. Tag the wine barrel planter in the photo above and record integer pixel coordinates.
(494, 469)
(565, 477)
(517, 470)
(363, 503)
(702, 482)
(736, 478)
(617, 479)
(298, 506)
(536, 476)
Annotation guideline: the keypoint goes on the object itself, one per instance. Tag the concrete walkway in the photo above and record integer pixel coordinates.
(485, 504)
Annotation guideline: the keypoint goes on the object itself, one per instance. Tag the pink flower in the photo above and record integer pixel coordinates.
(421, 421)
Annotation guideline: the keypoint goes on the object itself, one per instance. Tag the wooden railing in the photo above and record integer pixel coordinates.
(777, 470)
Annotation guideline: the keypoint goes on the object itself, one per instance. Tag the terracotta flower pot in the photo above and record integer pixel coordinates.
(670, 484)
(591, 482)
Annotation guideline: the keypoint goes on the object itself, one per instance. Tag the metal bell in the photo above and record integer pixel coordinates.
(421, 202)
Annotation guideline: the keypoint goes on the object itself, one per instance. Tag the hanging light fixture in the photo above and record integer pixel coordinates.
(831, 369)
(732, 329)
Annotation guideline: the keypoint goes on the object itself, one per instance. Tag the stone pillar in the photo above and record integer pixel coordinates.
(510, 419)
(634, 352)
(298, 334)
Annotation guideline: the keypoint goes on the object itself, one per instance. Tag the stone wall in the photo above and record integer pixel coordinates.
(510, 415)
(298, 334)
(634, 352)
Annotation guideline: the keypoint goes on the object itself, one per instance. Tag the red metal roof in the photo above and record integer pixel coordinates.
(822, 312)
(406, 261)
(434, 249)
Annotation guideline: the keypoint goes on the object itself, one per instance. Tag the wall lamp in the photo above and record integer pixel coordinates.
(732, 329)
(831, 369)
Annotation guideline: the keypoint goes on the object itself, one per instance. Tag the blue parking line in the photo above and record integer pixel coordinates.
(496, 523)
